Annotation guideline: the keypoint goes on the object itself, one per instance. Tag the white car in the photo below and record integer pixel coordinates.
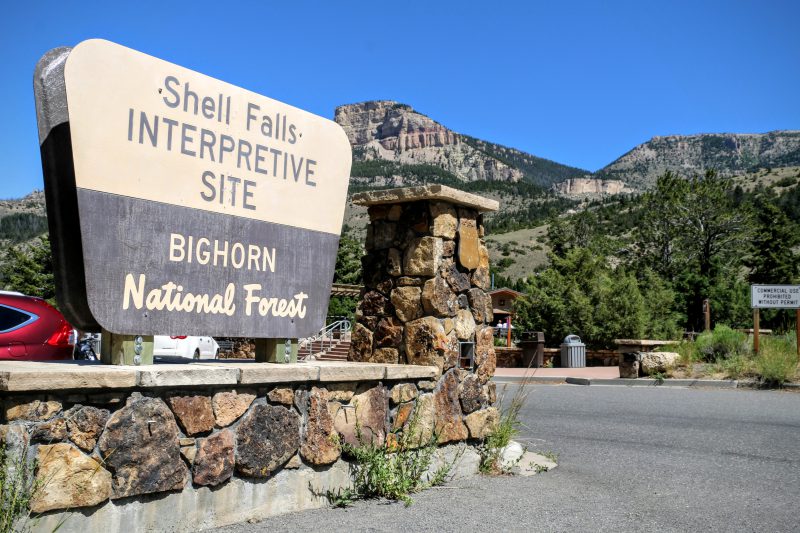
(185, 346)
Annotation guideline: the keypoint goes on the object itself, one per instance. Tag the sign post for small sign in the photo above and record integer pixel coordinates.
(179, 204)
(774, 297)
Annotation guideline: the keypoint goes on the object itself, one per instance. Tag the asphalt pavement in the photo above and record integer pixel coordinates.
(630, 459)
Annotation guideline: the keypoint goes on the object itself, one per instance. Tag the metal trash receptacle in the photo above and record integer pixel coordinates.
(573, 352)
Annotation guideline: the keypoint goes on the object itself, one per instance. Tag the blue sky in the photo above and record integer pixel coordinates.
(579, 82)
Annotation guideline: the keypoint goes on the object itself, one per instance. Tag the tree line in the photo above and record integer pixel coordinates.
(640, 267)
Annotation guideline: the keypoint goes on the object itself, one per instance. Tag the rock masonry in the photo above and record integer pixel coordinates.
(426, 271)
(425, 299)
(92, 448)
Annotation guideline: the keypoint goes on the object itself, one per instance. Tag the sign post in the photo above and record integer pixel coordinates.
(756, 327)
(774, 297)
(179, 204)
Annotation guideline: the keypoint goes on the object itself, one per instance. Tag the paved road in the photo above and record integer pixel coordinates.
(630, 459)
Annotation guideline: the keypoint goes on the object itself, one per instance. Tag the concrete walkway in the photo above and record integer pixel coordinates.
(552, 374)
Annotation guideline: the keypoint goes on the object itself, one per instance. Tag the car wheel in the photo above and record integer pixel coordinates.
(197, 353)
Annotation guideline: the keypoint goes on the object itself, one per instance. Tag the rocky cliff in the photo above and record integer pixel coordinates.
(728, 153)
(589, 186)
(385, 130)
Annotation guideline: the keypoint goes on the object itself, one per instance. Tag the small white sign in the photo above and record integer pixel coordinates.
(775, 296)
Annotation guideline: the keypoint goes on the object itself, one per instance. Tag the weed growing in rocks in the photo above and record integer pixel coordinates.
(541, 468)
(342, 497)
(507, 428)
(395, 468)
(18, 488)
(550, 455)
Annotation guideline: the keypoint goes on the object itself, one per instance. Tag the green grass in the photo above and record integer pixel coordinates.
(687, 351)
(735, 367)
(776, 361)
(730, 353)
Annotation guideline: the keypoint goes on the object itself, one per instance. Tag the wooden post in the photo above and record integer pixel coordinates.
(126, 349)
(274, 350)
(797, 330)
(707, 313)
(508, 339)
(266, 350)
(756, 316)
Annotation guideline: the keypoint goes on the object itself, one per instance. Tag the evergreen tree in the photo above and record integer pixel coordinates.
(581, 294)
(30, 271)
(772, 259)
(692, 234)
(348, 261)
(347, 271)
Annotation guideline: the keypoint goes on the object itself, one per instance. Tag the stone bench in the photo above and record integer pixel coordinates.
(631, 353)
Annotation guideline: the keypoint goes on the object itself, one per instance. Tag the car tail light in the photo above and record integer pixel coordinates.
(181, 337)
(62, 336)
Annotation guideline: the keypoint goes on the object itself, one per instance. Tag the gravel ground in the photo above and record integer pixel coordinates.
(630, 459)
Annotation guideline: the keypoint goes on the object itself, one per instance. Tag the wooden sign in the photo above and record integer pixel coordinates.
(775, 296)
(181, 204)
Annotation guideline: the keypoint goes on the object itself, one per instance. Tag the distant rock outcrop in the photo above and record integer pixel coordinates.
(590, 186)
(727, 153)
(388, 131)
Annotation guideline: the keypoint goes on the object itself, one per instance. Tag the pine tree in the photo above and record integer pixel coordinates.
(30, 271)
(771, 257)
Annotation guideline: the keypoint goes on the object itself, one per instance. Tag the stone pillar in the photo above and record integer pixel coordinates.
(426, 277)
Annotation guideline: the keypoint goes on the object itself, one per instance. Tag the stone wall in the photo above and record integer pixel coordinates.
(113, 442)
(105, 450)
(509, 357)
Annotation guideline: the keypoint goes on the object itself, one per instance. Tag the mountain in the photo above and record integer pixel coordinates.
(22, 219)
(395, 145)
(728, 153)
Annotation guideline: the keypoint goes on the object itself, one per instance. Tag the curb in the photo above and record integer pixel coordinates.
(646, 382)
(649, 382)
(552, 380)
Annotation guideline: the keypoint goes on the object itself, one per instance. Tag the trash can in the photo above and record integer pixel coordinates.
(573, 352)
(532, 344)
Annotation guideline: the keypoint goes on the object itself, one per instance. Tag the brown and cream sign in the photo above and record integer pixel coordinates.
(202, 208)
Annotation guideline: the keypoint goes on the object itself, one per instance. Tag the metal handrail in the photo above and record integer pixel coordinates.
(333, 331)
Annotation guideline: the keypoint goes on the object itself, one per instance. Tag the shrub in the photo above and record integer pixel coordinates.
(735, 366)
(776, 361)
(687, 350)
(723, 343)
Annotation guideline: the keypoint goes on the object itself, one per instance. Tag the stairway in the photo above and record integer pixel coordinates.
(332, 343)
(337, 353)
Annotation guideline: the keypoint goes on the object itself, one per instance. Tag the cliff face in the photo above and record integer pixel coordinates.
(398, 146)
(391, 131)
(589, 186)
(727, 153)
(395, 127)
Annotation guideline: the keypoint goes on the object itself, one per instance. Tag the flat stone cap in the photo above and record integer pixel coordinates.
(425, 192)
(29, 376)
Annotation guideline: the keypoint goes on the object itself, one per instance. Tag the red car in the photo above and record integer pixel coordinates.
(32, 329)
